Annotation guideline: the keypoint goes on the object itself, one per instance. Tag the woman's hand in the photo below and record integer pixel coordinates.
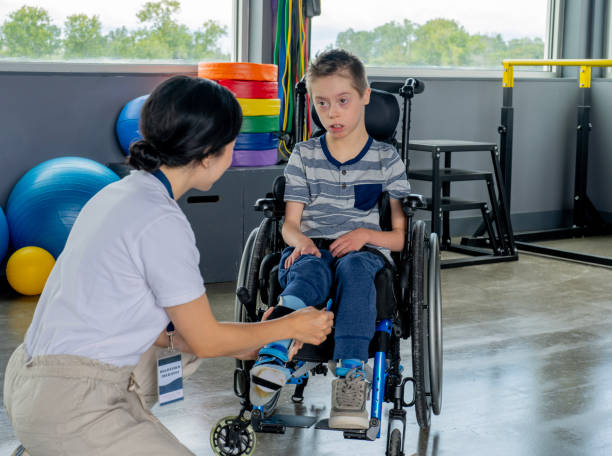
(306, 247)
(352, 241)
(311, 326)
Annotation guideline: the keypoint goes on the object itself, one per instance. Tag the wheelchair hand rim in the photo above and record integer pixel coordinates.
(434, 302)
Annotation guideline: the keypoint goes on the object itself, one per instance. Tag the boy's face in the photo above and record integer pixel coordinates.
(340, 107)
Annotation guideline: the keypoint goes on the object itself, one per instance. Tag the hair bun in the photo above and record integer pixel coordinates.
(143, 155)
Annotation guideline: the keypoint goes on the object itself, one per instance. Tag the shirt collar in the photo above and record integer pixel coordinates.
(352, 161)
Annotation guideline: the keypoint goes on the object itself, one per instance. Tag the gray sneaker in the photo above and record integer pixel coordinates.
(349, 397)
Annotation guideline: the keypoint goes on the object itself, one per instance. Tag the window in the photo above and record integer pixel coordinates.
(116, 31)
(475, 34)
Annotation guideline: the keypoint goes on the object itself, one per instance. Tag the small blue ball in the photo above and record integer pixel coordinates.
(4, 235)
(126, 127)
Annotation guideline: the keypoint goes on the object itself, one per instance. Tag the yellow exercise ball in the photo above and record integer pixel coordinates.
(27, 270)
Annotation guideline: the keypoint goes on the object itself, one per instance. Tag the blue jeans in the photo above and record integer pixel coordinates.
(310, 279)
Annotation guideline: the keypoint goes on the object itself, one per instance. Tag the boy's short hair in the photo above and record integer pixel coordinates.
(335, 61)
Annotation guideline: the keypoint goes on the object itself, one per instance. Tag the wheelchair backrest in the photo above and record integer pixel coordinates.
(381, 116)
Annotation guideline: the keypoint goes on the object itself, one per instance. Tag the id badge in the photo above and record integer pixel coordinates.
(169, 377)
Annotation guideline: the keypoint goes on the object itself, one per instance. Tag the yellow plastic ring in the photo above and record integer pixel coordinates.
(259, 106)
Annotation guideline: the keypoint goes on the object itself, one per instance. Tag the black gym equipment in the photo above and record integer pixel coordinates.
(586, 219)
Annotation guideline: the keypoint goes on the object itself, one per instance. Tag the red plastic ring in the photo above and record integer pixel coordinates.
(251, 89)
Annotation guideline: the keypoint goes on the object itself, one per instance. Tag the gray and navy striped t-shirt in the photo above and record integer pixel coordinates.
(340, 197)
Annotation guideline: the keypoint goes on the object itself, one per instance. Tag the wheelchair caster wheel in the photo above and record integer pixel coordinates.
(232, 436)
(395, 443)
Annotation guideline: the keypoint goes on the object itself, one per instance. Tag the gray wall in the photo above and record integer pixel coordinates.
(600, 158)
(49, 115)
(44, 115)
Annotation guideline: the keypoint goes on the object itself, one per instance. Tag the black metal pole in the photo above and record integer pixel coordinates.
(506, 130)
(406, 92)
(582, 155)
(301, 113)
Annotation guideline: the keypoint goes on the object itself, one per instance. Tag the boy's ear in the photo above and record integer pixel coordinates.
(366, 96)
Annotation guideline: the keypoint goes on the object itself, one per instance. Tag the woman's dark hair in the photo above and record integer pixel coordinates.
(185, 119)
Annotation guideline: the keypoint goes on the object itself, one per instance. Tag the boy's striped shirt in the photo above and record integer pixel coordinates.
(340, 197)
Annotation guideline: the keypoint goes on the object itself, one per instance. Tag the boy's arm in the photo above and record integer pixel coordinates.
(356, 239)
(293, 236)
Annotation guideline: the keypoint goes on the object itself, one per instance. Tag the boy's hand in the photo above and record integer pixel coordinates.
(307, 248)
(349, 242)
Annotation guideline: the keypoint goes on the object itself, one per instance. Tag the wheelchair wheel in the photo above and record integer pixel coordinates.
(255, 249)
(240, 314)
(231, 438)
(426, 325)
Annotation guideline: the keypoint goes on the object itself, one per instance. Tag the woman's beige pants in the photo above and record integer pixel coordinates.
(69, 405)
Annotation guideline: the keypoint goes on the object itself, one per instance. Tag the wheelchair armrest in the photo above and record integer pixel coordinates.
(271, 207)
(414, 201)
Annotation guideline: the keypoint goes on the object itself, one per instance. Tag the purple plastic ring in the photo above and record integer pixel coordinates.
(266, 157)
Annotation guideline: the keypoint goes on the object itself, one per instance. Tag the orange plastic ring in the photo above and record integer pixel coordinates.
(244, 71)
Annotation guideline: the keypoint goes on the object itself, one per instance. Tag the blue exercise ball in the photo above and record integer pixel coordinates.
(4, 235)
(44, 204)
(127, 123)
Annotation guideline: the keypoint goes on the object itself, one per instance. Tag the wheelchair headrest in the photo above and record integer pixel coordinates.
(381, 115)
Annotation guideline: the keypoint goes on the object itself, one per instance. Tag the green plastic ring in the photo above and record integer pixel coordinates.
(259, 124)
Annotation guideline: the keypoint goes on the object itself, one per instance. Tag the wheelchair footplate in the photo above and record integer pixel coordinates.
(358, 434)
(276, 423)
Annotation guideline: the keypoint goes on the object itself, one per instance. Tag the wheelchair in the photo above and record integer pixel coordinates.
(408, 307)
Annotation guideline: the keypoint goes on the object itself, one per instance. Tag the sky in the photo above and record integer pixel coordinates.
(477, 16)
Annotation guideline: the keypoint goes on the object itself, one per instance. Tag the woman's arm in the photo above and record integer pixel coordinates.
(392, 240)
(207, 338)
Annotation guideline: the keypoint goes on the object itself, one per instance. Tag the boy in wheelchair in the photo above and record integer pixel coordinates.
(336, 245)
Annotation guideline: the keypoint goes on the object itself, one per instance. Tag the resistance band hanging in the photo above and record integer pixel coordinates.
(291, 56)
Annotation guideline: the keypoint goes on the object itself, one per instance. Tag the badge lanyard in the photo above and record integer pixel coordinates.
(169, 363)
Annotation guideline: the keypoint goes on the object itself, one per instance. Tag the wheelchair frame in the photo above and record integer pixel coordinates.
(416, 315)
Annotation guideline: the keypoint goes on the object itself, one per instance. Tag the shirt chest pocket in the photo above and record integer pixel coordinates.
(366, 195)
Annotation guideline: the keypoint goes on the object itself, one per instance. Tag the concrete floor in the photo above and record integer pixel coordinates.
(528, 368)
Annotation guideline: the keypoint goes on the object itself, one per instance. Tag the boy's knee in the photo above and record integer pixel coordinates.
(349, 265)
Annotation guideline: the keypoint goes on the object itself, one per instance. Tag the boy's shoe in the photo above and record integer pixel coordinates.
(349, 397)
(20, 451)
(268, 376)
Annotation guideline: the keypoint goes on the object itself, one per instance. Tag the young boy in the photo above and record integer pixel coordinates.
(333, 184)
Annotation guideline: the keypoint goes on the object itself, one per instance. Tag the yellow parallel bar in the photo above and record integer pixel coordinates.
(585, 76)
(508, 78)
(584, 64)
(558, 62)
